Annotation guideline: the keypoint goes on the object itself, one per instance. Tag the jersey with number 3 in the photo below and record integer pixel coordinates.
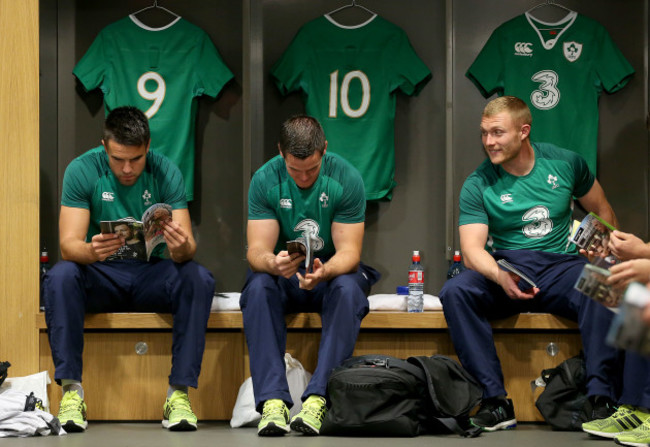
(530, 212)
(161, 71)
(560, 70)
(349, 77)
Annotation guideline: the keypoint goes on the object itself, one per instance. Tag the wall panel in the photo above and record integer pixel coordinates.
(19, 194)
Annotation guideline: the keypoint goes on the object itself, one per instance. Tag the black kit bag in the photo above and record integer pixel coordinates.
(380, 395)
(4, 366)
(564, 403)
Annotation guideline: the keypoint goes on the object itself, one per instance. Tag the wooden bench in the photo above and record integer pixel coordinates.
(121, 384)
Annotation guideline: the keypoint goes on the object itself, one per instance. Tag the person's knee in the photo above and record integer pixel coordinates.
(63, 272)
(260, 288)
(197, 274)
(346, 291)
(450, 294)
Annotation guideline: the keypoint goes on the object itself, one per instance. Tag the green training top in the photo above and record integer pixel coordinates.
(89, 183)
(336, 196)
(531, 212)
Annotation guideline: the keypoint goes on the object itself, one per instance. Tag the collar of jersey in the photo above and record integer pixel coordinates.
(566, 22)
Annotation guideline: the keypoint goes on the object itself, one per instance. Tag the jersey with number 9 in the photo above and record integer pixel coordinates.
(161, 71)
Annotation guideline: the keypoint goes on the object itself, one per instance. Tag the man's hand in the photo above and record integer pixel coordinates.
(628, 271)
(103, 245)
(508, 282)
(177, 240)
(311, 280)
(286, 265)
(627, 246)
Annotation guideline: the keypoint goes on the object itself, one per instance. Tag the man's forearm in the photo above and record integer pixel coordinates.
(341, 263)
(482, 262)
(261, 261)
(78, 251)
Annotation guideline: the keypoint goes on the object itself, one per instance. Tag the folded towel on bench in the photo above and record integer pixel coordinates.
(229, 301)
(394, 302)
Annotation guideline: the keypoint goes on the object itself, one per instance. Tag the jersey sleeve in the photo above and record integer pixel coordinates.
(288, 70)
(172, 185)
(486, 72)
(613, 69)
(212, 72)
(584, 178)
(76, 189)
(258, 205)
(353, 204)
(471, 203)
(412, 74)
(91, 69)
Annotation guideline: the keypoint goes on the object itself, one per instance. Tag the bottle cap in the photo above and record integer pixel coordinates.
(45, 257)
(416, 256)
(457, 255)
(402, 290)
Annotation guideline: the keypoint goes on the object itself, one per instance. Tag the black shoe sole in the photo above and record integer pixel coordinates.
(299, 426)
(272, 430)
(182, 426)
(71, 427)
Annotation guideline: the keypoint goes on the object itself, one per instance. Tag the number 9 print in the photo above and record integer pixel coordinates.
(157, 95)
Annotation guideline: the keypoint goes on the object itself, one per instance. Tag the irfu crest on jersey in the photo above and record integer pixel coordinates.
(310, 230)
(572, 51)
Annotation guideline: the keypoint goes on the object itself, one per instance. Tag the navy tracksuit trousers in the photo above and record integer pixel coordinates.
(71, 290)
(470, 301)
(342, 303)
(636, 380)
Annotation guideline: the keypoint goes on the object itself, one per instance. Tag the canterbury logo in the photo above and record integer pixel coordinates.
(108, 197)
(286, 203)
(523, 49)
(505, 198)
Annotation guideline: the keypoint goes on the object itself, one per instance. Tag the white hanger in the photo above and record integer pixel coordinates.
(549, 3)
(155, 5)
(351, 5)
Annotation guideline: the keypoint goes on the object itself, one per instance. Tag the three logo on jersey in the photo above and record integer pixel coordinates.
(572, 50)
(551, 180)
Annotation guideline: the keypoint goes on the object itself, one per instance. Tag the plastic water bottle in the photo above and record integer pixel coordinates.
(415, 301)
(456, 266)
(45, 266)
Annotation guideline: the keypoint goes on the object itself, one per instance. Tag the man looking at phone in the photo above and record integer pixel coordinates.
(517, 206)
(306, 193)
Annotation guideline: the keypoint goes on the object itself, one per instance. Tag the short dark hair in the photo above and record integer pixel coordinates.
(301, 136)
(128, 126)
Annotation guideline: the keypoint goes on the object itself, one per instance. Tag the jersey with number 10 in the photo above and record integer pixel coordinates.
(348, 77)
(161, 71)
(559, 69)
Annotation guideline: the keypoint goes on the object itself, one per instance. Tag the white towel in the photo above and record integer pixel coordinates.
(15, 422)
(227, 301)
(34, 383)
(394, 302)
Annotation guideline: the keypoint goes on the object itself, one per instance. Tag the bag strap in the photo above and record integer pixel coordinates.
(387, 361)
(451, 423)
